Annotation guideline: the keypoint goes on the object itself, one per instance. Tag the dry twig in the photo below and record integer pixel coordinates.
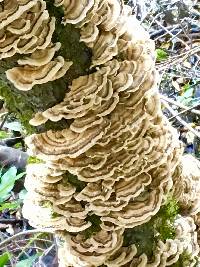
(177, 59)
(184, 123)
(28, 232)
(186, 109)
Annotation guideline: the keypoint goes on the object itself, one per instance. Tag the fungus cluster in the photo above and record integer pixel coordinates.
(118, 144)
(187, 184)
(165, 254)
(26, 29)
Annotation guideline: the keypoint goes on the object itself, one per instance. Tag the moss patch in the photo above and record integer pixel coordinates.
(72, 179)
(160, 227)
(32, 160)
(94, 228)
(184, 260)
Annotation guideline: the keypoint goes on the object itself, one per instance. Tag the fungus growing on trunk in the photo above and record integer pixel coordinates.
(117, 142)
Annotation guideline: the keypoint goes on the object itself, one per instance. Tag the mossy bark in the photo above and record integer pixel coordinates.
(25, 104)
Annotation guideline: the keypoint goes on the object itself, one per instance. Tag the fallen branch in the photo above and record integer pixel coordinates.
(4, 120)
(10, 156)
(10, 142)
(10, 221)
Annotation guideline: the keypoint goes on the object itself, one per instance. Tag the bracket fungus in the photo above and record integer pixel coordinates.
(118, 144)
(27, 29)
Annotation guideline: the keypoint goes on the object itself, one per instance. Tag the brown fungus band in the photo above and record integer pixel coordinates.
(119, 145)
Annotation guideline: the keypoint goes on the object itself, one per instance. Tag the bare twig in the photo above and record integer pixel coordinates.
(184, 111)
(178, 59)
(184, 123)
(45, 252)
(19, 242)
(22, 249)
(28, 245)
(173, 36)
(171, 101)
(4, 120)
(28, 232)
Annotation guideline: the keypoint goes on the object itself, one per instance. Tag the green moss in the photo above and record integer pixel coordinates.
(18, 145)
(32, 160)
(46, 204)
(72, 179)
(4, 134)
(14, 104)
(184, 260)
(143, 237)
(55, 215)
(71, 48)
(94, 228)
(165, 218)
(160, 227)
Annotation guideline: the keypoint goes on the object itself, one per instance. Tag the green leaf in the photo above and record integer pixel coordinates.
(185, 101)
(187, 97)
(161, 54)
(22, 194)
(9, 205)
(4, 259)
(188, 93)
(8, 182)
(28, 262)
(14, 126)
(4, 134)
(186, 87)
(20, 175)
(9, 174)
(18, 145)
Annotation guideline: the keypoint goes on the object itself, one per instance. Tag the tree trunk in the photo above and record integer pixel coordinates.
(111, 182)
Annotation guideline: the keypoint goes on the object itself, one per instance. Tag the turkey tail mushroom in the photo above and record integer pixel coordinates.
(114, 165)
(27, 29)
